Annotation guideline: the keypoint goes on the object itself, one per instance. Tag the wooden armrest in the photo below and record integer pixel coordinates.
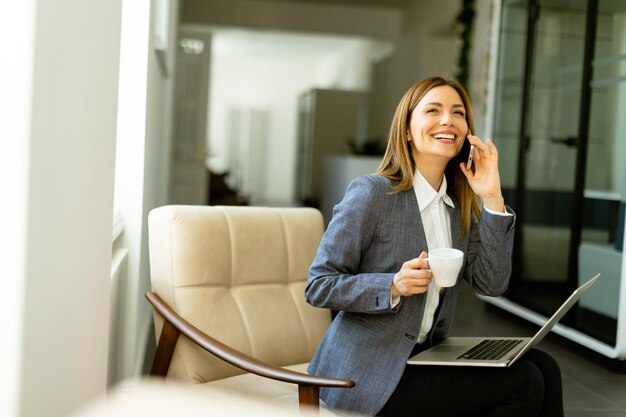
(237, 358)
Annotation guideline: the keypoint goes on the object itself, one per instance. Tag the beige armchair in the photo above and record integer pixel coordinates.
(228, 294)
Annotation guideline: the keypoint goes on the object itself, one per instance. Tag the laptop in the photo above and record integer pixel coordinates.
(492, 351)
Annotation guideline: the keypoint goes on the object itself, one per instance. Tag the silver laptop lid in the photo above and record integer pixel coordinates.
(556, 317)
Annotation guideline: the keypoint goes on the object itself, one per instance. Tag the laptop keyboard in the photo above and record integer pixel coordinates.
(490, 349)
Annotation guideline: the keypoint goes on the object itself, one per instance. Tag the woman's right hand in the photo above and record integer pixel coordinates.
(485, 180)
(413, 278)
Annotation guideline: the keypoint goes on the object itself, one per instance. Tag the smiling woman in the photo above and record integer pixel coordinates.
(372, 266)
(437, 130)
(422, 105)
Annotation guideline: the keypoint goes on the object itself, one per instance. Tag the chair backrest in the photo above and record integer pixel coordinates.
(238, 274)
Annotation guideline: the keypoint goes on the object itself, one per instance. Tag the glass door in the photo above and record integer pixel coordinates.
(541, 72)
(603, 184)
(559, 84)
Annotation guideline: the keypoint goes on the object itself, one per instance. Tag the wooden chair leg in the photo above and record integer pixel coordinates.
(165, 349)
(308, 397)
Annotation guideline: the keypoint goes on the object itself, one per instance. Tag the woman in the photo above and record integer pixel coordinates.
(371, 266)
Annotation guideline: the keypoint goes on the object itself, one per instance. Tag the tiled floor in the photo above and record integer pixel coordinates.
(590, 389)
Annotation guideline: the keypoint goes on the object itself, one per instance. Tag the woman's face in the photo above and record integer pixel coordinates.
(438, 128)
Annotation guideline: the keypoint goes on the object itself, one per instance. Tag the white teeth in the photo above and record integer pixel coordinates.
(444, 136)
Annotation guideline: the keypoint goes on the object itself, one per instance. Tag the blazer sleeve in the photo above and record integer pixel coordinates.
(490, 253)
(335, 280)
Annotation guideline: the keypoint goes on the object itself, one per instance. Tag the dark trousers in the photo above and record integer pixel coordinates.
(530, 387)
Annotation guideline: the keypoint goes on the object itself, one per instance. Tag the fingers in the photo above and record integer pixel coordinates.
(421, 262)
(413, 278)
(474, 140)
(485, 159)
(481, 148)
(486, 149)
(407, 286)
(492, 149)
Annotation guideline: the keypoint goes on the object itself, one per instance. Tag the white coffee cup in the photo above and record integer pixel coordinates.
(445, 264)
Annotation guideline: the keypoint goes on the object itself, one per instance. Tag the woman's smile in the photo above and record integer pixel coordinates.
(437, 128)
(445, 137)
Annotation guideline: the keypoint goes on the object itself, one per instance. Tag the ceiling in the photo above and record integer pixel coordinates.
(281, 44)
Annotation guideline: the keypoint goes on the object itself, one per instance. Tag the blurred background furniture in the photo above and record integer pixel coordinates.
(231, 279)
(220, 193)
(328, 122)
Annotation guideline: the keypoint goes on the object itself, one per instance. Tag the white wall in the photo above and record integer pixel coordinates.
(129, 180)
(235, 86)
(18, 24)
(346, 68)
(273, 85)
(62, 142)
(142, 170)
(427, 46)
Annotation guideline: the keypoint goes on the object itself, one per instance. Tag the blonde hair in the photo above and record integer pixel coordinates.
(398, 164)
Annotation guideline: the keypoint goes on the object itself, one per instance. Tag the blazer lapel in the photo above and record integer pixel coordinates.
(414, 208)
(455, 226)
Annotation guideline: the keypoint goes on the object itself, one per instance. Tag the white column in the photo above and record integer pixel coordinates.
(17, 24)
(58, 125)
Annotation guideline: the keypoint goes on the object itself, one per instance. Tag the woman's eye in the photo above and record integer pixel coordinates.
(460, 113)
(431, 111)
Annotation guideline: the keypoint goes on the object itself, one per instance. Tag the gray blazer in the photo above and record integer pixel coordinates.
(372, 233)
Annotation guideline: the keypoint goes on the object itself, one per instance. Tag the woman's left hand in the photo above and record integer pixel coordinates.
(485, 180)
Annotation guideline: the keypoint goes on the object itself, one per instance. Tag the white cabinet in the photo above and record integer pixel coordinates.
(602, 297)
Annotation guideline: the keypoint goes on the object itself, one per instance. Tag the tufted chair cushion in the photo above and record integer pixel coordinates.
(238, 274)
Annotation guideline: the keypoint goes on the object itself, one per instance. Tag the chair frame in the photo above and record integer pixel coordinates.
(174, 324)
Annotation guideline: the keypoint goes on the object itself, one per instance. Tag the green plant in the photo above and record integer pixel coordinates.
(465, 22)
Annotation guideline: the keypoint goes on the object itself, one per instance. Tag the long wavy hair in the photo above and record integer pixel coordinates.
(398, 164)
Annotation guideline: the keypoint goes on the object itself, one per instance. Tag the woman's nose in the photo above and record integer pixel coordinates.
(446, 118)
